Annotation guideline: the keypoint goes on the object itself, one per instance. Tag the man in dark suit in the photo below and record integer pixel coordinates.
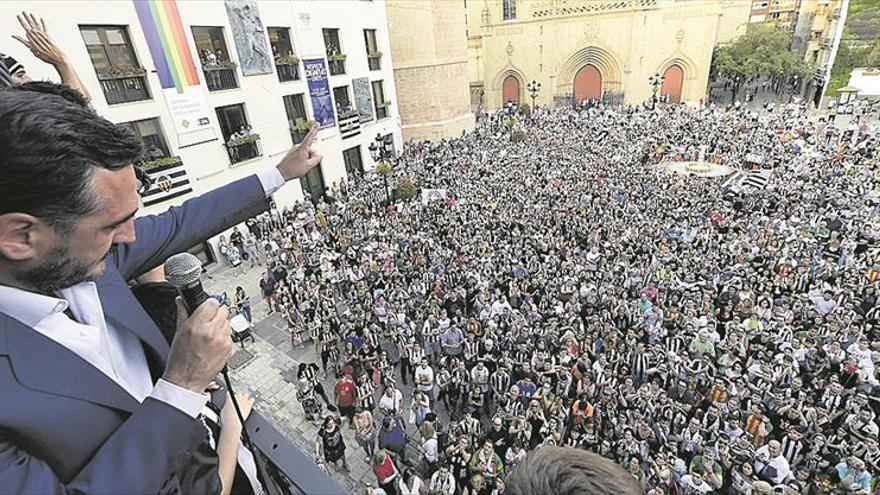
(92, 397)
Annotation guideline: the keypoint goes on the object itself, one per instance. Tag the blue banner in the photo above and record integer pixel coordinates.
(319, 90)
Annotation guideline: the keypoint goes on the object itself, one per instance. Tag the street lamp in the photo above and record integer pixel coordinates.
(655, 81)
(382, 151)
(534, 88)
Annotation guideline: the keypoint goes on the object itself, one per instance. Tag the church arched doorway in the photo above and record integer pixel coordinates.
(510, 90)
(588, 83)
(672, 81)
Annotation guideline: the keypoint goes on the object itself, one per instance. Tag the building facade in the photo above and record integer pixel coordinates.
(779, 12)
(429, 48)
(596, 49)
(818, 31)
(261, 73)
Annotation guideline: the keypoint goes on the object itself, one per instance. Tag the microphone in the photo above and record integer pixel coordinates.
(183, 271)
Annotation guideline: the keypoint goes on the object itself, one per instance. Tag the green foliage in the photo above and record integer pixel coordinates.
(250, 138)
(860, 46)
(120, 71)
(374, 54)
(161, 162)
(305, 125)
(518, 136)
(287, 60)
(336, 57)
(509, 121)
(224, 65)
(763, 49)
(384, 167)
(406, 188)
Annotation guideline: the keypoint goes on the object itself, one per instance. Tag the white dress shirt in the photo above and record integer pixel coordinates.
(116, 353)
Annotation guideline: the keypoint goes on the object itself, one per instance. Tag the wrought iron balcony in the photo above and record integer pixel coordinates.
(375, 62)
(220, 77)
(124, 89)
(244, 148)
(287, 71)
(336, 67)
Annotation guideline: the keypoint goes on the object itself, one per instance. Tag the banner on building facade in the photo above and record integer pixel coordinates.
(363, 98)
(169, 180)
(250, 42)
(319, 90)
(184, 94)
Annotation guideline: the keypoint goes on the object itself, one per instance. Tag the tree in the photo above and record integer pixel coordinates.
(763, 49)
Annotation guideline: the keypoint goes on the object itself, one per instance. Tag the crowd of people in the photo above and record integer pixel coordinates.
(568, 291)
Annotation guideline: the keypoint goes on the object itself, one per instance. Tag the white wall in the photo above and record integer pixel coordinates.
(208, 164)
(867, 80)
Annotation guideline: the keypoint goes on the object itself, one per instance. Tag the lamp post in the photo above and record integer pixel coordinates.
(655, 81)
(382, 151)
(534, 88)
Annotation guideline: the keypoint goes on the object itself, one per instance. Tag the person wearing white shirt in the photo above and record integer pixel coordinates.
(770, 465)
(442, 482)
(71, 328)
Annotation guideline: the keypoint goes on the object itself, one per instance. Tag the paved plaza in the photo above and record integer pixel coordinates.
(267, 370)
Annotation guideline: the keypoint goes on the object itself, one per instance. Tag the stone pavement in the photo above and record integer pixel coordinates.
(267, 370)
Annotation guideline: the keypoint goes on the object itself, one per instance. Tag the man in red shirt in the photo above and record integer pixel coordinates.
(344, 392)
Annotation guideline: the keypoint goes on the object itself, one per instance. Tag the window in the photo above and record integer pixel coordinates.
(286, 62)
(374, 56)
(232, 118)
(354, 164)
(296, 117)
(210, 44)
(335, 55)
(122, 78)
(150, 132)
(219, 69)
(279, 39)
(379, 100)
(343, 102)
(508, 10)
(241, 142)
(108, 46)
(331, 41)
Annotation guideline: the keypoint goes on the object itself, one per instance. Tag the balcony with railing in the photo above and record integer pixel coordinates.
(123, 84)
(220, 75)
(374, 60)
(244, 148)
(287, 68)
(336, 64)
(299, 131)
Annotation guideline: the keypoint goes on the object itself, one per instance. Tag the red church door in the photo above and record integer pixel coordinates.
(588, 84)
(673, 78)
(510, 90)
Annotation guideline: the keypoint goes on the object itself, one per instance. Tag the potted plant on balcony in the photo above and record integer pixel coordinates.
(304, 125)
(374, 54)
(120, 72)
(336, 57)
(250, 138)
(161, 162)
(220, 65)
(289, 59)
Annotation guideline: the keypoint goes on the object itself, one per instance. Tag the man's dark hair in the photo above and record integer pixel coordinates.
(569, 471)
(48, 147)
(49, 87)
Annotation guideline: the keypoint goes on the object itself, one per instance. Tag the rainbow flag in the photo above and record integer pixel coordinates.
(163, 30)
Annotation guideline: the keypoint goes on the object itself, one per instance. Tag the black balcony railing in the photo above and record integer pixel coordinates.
(287, 72)
(337, 67)
(298, 135)
(245, 148)
(381, 111)
(123, 89)
(375, 63)
(291, 471)
(219, 78)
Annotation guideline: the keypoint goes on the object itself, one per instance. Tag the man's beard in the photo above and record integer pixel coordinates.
(59, 271)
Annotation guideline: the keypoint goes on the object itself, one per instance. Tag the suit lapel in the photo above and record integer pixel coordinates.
(125, 313)
(44, 365)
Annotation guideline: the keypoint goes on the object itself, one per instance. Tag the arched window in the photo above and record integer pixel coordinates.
(508, 10)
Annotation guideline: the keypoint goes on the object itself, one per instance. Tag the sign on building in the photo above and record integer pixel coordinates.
(319, 90)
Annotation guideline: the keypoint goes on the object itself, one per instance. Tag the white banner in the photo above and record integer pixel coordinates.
(429, 195)
(189, 109)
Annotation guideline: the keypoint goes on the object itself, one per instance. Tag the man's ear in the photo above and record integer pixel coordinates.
(21, 235)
